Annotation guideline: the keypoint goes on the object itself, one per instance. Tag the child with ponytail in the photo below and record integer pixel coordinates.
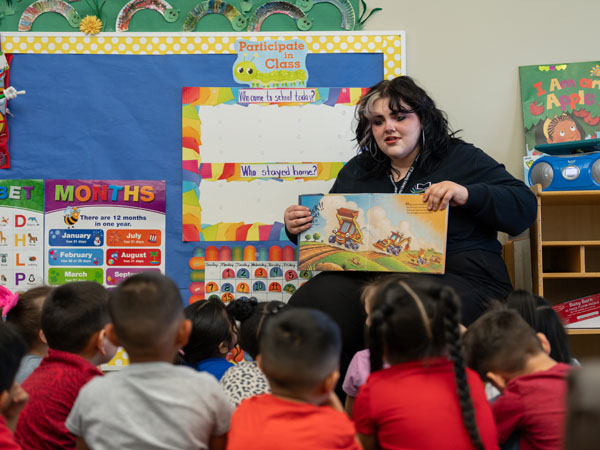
(426, 399)
(245, 379)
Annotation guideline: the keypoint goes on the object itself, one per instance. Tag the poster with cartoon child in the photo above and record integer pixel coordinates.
(561, 103)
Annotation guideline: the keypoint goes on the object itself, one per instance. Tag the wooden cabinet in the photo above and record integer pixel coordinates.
(565, 254)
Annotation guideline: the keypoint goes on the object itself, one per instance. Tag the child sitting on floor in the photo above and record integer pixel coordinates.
(299, 354)
(245, 379)
(213, 337)
(26, 316)
(151, 404)
(506, 351)
(360, 365)
(540, 316)
(12, 396)
(73, 320)
(426, 399)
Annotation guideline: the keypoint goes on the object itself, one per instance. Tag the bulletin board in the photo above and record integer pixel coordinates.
(109, 106)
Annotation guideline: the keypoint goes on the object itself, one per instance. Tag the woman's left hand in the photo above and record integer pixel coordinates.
(440, 195)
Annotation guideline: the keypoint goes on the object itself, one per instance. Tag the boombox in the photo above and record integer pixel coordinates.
(567, 173)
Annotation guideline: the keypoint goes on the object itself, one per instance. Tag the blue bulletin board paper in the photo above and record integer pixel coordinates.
(119, 117)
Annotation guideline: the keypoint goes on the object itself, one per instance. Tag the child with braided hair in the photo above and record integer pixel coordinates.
(426, 399)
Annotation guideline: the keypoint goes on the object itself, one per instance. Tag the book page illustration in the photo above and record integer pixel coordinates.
(373, 232)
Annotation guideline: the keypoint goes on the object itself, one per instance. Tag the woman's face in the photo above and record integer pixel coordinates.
(566, 131)
(397, 134)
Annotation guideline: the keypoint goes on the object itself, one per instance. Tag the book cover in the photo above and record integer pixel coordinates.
(373, 232)
(561, 104)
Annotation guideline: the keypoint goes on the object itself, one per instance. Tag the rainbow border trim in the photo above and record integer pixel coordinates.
(194, 171)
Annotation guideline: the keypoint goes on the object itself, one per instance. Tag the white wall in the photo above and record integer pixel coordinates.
(466, 54)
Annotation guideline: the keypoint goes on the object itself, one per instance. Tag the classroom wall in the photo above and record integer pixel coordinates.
(466, 53)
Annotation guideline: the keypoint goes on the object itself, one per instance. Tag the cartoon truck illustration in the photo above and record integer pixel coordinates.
(348, 234)
(393, 243)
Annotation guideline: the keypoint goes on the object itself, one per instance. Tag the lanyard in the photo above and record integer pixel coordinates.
(399, 191)
(406, 177)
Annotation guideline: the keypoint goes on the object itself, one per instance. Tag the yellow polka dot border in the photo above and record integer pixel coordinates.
(390, 44)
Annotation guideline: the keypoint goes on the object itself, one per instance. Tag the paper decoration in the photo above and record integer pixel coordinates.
(33, 11)
(21, 234)
(102, 230)
(90, 25)
(373, 232)
(263, 12)
(344, 6)
(271, 64)
(238, 21)
(4, 81)
(163, 7)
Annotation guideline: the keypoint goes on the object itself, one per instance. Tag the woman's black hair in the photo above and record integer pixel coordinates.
(252, 316)
(404, 96)
(211, 325)
(415, 320)
(540, 315)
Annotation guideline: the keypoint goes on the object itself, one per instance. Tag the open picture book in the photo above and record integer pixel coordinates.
(373, 232)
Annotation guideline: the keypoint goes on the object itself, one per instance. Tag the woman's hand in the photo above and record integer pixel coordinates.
(297, 219)
(440, 195)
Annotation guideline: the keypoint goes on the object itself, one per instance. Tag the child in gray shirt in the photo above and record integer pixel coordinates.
(151, 404)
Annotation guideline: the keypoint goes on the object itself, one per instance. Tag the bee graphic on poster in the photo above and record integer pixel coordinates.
(71, 216)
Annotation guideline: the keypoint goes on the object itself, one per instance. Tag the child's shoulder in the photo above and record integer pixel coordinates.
(558, 373)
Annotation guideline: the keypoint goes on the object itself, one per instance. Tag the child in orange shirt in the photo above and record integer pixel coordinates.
(299, 354)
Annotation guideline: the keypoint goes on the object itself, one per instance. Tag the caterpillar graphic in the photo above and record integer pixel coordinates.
(246, 72)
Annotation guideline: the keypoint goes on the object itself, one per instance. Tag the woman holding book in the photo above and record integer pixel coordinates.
(406, 146)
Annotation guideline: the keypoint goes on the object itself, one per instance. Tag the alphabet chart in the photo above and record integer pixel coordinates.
(263, 270)
(21, 234)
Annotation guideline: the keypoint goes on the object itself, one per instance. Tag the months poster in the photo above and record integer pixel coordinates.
(103, 230)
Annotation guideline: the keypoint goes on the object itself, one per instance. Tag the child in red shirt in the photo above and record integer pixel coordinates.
(12, 397)
(74, 317)
(299, 354)
(426, 399)
(506, 351)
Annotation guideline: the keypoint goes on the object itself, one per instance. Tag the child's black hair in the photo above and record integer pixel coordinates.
(300, 348)
(500, 341)
(540, 315)
(252, 316)
(145, 309)
(12, 349)
(211, 326)
(72, 313)
(412, 320)
(26, 315)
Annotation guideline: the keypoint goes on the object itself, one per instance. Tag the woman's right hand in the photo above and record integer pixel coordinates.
(297, 219)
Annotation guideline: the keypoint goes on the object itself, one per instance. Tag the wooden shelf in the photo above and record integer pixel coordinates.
(573, 275)
(570, 243)
(583, 331)
(565, 255)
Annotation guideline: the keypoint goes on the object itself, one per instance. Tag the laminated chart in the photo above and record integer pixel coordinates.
(21, 234)
(233, 270)
(104, 230)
